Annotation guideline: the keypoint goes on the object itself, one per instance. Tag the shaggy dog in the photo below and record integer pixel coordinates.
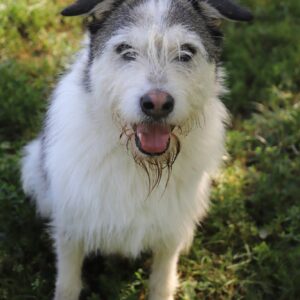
(132, 135)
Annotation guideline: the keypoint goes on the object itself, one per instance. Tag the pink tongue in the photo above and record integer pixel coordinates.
(154, 138)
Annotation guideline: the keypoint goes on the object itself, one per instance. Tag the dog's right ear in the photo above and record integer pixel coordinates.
(83, 7)
(227, 9)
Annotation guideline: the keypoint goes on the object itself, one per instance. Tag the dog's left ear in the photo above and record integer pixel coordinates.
(83, 7)
(227, 9)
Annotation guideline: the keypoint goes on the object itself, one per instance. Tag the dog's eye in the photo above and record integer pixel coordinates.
(186, 53)
(126, 52)
(131, 55)
(184, 57)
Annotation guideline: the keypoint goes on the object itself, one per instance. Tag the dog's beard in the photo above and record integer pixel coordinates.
(156, 165)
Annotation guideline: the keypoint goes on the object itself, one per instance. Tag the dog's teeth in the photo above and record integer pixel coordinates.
(139, 135)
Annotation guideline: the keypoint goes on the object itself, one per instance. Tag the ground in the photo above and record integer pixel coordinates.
(249, 245)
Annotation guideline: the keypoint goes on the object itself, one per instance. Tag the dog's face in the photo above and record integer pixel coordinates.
(153, 63)
(158, 75)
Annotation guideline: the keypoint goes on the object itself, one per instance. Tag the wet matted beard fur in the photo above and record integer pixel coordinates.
(156, 165)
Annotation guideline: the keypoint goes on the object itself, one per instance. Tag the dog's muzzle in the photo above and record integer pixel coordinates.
(153, 138)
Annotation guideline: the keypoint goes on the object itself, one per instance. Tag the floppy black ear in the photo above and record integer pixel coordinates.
(80, 7)
(229, 9)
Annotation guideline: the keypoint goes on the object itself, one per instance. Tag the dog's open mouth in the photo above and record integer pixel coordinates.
(152, 138)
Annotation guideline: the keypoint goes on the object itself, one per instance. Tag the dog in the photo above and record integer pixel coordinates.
(133, 133)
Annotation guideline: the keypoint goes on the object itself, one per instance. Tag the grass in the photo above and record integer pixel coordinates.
(249, 245)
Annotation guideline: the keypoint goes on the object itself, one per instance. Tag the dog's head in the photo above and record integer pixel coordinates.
(153, 63)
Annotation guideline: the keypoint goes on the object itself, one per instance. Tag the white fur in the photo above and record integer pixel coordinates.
(96, 195)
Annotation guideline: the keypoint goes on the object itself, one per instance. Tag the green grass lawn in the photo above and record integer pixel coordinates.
(249, 245)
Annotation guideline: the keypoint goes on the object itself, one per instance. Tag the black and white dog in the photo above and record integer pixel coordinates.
(132, 135)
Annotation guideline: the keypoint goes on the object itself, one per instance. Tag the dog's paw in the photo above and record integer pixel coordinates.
(160, 297)
(66, 294)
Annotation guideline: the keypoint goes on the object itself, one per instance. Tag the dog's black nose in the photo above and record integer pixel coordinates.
(157, 104)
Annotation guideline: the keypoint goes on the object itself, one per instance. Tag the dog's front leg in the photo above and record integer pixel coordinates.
(163, 279)
(69, 263)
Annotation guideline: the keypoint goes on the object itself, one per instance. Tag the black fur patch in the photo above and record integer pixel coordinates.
(190, 14)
